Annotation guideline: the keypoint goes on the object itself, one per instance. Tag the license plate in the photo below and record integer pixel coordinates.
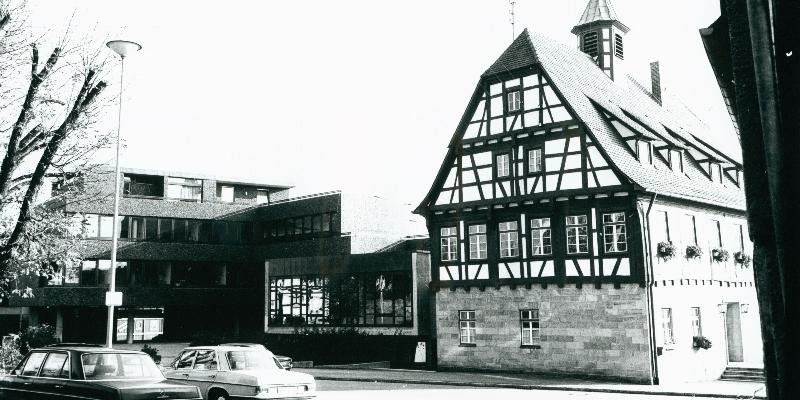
(288, 390)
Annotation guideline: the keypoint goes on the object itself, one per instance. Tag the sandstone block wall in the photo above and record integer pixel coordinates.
(587, 331)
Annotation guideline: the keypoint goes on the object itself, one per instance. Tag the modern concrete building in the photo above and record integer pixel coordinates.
(192, 252)
(581, 225)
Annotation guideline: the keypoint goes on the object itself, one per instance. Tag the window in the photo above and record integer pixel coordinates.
(690, 236)
(184, 360)
(466, 327)
(514, 101)
(91, 225)
(697, 330)
(739, 231)
(449, 237)
(716, 234)
(577, 239)
(143, 328)
(534, 161)
(618, 51)
(31, 367)
(614, 233)
(644, 152)
(660, 227)
(225, 193)
(502, 165)
(477, 242)
(676, 160)
(666, 325)
(541, 237)
(509, 239)
(204, 358)
(184, 188)
(529, 327)
(56, 366)
(590, 44)
(262, 196)
(106, 226)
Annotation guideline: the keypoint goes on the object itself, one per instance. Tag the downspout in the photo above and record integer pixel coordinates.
(648, 284)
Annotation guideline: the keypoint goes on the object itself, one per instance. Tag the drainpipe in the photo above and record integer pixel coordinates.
(649, 286)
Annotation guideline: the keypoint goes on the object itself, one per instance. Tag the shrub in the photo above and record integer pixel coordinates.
(37, 336)
(701, 342)
(720, 255)
(666, 250)
(742, 259)
(693, 251)
(10, 354)
(152, 352)
(208, 338)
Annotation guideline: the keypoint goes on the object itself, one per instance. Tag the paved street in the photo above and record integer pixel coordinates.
(335, 390)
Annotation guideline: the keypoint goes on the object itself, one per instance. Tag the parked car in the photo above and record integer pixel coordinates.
(81, 371)
(238, 371)
(284, 361)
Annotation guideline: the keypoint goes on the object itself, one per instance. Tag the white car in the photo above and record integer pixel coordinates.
(238, 371)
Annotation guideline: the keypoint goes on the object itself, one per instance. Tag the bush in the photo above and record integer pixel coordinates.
(209, 338)
(720, 255)
(693, 251)
(666, 250)
(742, 259)
(152, 352)
(37, 336)
(10, 354)
(701, 342)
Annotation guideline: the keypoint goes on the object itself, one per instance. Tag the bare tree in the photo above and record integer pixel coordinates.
(49, 109)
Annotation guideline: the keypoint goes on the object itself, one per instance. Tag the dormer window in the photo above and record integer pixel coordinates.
(590, 44)
(644, 152)
(676, 161)
(618, 46)
(513, 101)
(715, 172)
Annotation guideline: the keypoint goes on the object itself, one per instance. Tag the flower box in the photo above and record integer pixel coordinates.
(666, 250)
(701, 342)
(742, 259)
(693, 251)
(720, 255)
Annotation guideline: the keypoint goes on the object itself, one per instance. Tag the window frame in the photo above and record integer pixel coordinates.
(66, 363)
(477, 235)
(496, 165)
(531, 229)
(535, 339)
(624, 225)
(568, 227)
(501, 233)
(696, 316)
(454, 236)
(464, 317)
(667, 326)
(528, 152)
(507, 101)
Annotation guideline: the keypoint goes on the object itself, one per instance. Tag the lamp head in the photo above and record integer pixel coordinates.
(124, 47)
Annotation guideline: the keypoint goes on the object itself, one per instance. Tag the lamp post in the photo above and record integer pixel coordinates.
(113, 298)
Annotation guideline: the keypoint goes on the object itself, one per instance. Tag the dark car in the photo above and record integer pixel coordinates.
(90, 372)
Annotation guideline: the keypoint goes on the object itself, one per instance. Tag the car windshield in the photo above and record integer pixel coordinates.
(119, 366)
(254, 359)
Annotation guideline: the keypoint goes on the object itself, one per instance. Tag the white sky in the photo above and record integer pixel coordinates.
(352, 95)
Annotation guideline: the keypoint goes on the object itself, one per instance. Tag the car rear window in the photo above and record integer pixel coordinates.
(119, 366)
(242, 360)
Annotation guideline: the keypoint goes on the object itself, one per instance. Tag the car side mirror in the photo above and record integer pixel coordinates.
(211, 365)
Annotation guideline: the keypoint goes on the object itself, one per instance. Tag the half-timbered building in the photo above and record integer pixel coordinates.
(579, 223)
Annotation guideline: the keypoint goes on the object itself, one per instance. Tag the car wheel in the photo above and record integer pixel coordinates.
(217, 395)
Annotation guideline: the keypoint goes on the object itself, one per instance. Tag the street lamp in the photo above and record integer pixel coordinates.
(113, 298)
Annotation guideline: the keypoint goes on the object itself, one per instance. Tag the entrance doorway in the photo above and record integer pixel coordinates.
(733, 333)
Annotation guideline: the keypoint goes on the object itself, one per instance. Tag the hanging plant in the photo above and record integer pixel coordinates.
(720, 255)
(701, 342)
(693, 251)
(742, 259)
(666, 250)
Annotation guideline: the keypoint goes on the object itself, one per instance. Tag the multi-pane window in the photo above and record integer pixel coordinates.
(529, 327)
(534, 161)
(577, 238)
(509, 239)
(697, 330)
(614, 232)
(502, 165)
(541, 237)
(449, 236)
(477, 242)
(514, 101)
(666, 325)
(184, 188)
(466, 326)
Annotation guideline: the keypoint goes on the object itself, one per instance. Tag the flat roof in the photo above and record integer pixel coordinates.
(225, 179)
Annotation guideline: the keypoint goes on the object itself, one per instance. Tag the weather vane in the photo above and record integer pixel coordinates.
(511, 11)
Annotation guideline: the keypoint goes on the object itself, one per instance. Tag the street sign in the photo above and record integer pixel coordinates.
(114, 298)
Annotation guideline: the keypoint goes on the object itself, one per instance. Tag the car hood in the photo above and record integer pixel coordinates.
(266, 377)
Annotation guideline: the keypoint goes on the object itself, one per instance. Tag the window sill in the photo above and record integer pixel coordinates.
(530, 346)
(467, 345)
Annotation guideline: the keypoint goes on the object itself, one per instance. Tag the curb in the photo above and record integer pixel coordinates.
(539, 387)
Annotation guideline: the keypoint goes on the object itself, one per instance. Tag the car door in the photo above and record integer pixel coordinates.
(204, 371)
(53, 376)
(21, 383)
(182, 365)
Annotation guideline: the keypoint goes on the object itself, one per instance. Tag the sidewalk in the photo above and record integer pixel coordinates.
(717, 389)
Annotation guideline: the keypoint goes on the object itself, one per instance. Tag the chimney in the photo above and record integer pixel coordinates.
(655, 81)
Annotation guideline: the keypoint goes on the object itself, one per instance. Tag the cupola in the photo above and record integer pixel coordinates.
(601, 35)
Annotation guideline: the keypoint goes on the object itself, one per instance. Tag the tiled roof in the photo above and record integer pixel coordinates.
(519, 54)
(598, 10)
(581, 83)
